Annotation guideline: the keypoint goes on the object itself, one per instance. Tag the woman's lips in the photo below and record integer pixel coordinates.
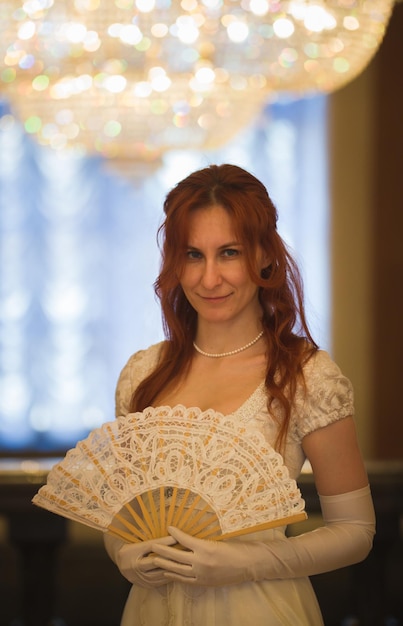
(213, 299)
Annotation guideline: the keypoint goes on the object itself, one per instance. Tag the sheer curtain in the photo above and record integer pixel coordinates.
(78, 258)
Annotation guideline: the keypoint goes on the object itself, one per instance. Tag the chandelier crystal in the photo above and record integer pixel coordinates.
(133, 78)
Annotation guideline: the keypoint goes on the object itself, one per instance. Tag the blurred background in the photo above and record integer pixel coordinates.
(89, 147)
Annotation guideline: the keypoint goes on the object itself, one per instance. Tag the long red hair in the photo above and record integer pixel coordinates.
(289, 342)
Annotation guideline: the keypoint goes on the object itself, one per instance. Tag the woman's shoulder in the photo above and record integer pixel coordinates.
(321, 363)
(326, 395)
(139, 366)
(144, 360)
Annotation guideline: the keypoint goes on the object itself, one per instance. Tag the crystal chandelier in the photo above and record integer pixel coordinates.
(133, 78)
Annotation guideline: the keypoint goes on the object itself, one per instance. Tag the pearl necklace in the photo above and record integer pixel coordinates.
(231, 352)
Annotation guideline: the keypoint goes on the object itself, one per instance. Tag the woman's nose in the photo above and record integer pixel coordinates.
(211, 276)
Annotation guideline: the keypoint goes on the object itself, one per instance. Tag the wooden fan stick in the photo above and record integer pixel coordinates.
(150, 515)
(172, 506)
(149, 530)
(190, 510)
(162, 511)
(159, 519)
(194, 522)
(136, 517)
(121, 534)
(179, 511)
(144, 530)
(141, 532)
(214, 532)
(283, 521)
(154, 514)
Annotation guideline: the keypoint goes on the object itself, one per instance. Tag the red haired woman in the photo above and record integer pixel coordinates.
(237, 343)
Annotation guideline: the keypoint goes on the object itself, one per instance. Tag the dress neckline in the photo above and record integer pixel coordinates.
(252, 403)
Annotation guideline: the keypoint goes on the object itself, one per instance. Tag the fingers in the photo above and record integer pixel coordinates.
(167, 551)
(141, 550)
(187, 541)
(146, 564)
(155, 578)
(173, 565)
(172, 559)
(165, 541)
(170, 577)
(147, 547)
(175, 560)
(157, 562)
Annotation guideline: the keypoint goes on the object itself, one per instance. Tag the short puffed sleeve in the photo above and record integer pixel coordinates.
(138, 367)
(326, 397)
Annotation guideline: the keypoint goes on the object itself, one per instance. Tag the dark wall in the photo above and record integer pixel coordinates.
(388, 243)
(366, 237)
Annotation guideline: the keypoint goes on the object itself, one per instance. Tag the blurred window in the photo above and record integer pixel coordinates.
(79, 257)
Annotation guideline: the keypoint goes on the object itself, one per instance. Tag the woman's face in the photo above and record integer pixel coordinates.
(215, 278)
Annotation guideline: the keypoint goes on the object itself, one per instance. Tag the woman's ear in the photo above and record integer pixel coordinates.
(266, 271)
(265, 260)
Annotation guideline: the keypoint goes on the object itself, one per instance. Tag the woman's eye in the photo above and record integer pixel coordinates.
(193, 255)
(230, 252)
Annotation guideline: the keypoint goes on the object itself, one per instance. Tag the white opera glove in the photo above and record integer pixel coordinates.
(134, 560)
(345, 539)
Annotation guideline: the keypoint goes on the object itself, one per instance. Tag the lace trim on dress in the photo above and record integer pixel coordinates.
(328, 396)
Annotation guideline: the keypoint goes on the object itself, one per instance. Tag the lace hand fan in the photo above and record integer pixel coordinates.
(198, 471)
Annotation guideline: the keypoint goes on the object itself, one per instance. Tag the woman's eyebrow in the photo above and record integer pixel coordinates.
(222, 247)
(230, 244)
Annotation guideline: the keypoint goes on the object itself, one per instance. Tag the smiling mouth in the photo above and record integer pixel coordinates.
(215, 298)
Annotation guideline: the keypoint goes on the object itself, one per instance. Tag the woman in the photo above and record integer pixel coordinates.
(238, 343)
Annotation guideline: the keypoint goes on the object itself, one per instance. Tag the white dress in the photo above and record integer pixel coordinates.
(328, 398)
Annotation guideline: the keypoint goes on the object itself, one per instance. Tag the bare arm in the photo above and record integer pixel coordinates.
(335, 457)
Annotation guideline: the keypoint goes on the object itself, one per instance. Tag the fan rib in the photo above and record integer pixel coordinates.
(154, 515)
(210, 533)
(283, 521)
(121, 534)
(163, 530)
(190, 510)
(137, 518)
(172, 506)
(188, 528)
(179, 511)
(135, 532)
(140, 530)
(146, 515)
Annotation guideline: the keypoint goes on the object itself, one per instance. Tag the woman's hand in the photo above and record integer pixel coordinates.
(345, 539)
(136, 561)
(207, 563)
